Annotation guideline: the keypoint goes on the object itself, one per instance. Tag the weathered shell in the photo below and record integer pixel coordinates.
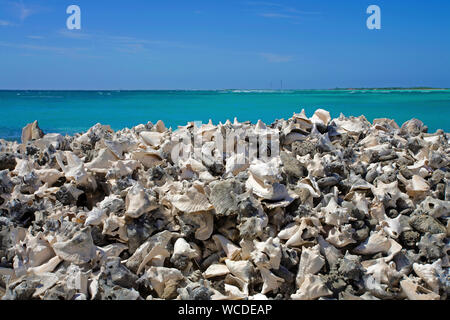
(160, 276)
(192, 201)
(312, 288)
(311, 261)
(138, 202)
(416, 292)
(79, 249)
(216, 270)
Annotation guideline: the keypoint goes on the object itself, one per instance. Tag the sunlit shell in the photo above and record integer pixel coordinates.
(321, 116)
(160, 276)
(230, 249)
(192, 201)
(416, 292)
(138, 202)
(216, 270)
(427, 272)
(312, 288)
(311, 262)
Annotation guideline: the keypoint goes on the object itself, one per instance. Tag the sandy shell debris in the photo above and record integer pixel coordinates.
(305, 208)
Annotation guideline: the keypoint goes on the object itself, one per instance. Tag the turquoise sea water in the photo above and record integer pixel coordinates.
(76, 111)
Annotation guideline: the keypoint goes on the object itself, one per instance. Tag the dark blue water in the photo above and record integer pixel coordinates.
(76, 111)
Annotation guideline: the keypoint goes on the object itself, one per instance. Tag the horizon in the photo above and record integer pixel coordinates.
(244, 89)
(204, 45)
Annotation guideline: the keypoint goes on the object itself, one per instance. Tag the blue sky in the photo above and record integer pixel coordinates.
(190, 44)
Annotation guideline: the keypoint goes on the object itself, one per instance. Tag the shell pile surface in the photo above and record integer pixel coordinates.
(343, 209)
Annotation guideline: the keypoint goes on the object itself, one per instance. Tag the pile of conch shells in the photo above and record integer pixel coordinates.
(335, 209)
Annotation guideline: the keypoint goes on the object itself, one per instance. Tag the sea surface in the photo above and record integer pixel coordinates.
(69, 112)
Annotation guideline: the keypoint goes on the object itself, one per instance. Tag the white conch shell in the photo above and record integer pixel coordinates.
(311, 262)
(49, 266)
(233, 292)
(123, 168)
(157, 253)
(352, 125)
(329, 251)
(321, 116)
(236, 163)
(335, 215)
(341, 236)
(160, 239)
(231, 250)
(310, 185)
(148, 157)
(138, 202)
(275, 191)
(22, 168)
(241, 269)
(101, 163)
(389, 192)
(75, 170)
(428, 273)
(111, 250)
(160, 276)
(270, 281)
(46, 280)
(77, 279)
(309, 228)
(95, 217)
(291, 133)
(115, 225)
(266, 171)
(206, 226)
(302, 120)
(49, 176)
(312, 288)
(247, 247)
(416, 292)
(314, 165)
(267, 254)
(38, 250)
(79, 250)
(46, 192)
(378, 242)
(216, 270)
(183, 248)
(435, 207)
(153, 139)
(393, 227)
(288, 231)
(415, 187)
(160, 127)
(118, 147)
(381, 271)
(194, 200)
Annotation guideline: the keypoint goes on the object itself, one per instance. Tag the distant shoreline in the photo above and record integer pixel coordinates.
(212, 90)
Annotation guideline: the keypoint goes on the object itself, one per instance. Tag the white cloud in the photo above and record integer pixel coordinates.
(19, 10)
(26, 46)
(276, 58)
(276, 10)
(74, 34)
(35, 37)
(276, 15)
(4, 23)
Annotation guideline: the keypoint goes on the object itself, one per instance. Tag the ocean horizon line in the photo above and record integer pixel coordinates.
(235, 89)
